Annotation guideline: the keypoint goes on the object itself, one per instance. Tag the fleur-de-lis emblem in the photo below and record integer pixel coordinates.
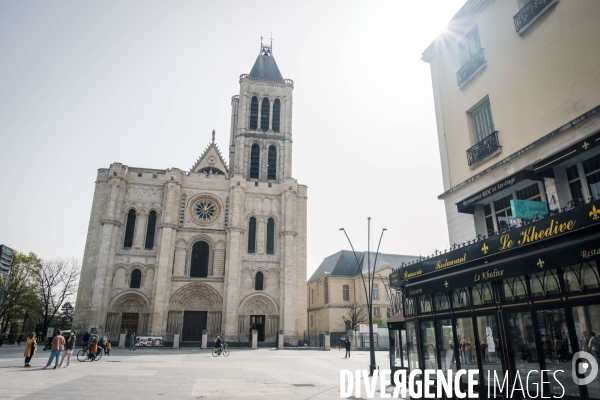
(595, 213)
(485, 248)
(540, 263)
(446, 283)
(585, 145)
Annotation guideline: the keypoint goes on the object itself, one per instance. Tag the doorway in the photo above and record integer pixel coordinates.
(130, 322)
(257, 322)
(193, 324)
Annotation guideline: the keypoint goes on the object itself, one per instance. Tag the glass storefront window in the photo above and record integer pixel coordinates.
(466, 344)
(489, 348)
(461, 298)
(409, 308)
(544, 284)
(411, 345)
(429, 345)
(441, 301)
(587, 320)
(581, 277)
(447, 353)
(482, 294)
(425, 303)
(514, 289)
(524, 350)
(557, 348)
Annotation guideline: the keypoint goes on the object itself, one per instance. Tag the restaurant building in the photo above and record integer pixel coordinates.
(516, 89)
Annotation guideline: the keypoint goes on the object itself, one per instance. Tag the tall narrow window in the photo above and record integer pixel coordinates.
(258, 281)
(129, 229)
(136, 279)
(503, 212)
(200, 258)
(469, 46)
(326, 291)
(375, 293)
(150, 230)
(574, 182)
(254, 113)
(489, 219)
(272, 159)
(276, 114)
(483, 123)
(264, 114)
(591, 167)
(252, 235)
(254, 161)
(271, 236)
(346, 292)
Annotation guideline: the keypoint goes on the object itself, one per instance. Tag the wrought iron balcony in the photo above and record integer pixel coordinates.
(529, 12)
(470, 67)
(483, 149)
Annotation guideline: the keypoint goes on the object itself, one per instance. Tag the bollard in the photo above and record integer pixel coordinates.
(204, 339)
(326, 344)
(122, 337)
(254, 339)
(176, 339)
(280, 340)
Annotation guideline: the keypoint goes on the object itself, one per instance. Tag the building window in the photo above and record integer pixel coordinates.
(312, 296)
(388, 312)
(311, 321)
(136, 279)
(469, 46)
(254, 113)
(326, 291)
(591, 168)
(271, 236)
(489, 219)
(503, 212)
(200, 258)
(346, 292)
(258, 281)
(375, 293)
(129, 229)
(276, 114)
(376, 311)
(272, 163)
(254, 161)
(483, 123)
(387, 292)
(264, 114)
(531, 193)
(574, 182)
(150, 230)
(252, 236)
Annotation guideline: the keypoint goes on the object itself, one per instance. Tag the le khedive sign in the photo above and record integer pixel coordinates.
(556, 225)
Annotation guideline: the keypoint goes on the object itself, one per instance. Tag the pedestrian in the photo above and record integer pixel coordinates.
(463, 350)
(93, 348)
(347, 344)
(30, 348)
(132, 342)
(108, 347)
(19, 339)
(68, 349)
(58, 345)
(594, 346)
(86, 339)
(104, 342)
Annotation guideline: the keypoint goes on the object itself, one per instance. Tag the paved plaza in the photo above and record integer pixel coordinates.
(187, 373)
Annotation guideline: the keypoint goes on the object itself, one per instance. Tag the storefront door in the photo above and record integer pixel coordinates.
(587, 320)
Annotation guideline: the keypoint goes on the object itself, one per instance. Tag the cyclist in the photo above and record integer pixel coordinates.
(218, 344)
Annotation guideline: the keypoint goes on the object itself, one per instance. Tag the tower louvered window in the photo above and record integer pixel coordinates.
(150, 230)
(129, 229)
(200, 258)
(136, 279)
(258, 281)
(254, 161)
(254, 113)
(264, 114)
(252, 235)
(272, 166)
(276, 114)
(271, 236)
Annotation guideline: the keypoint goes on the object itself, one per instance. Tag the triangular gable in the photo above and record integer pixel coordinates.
(211, 161)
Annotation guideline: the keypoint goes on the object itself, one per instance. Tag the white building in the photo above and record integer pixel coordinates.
(218, 247)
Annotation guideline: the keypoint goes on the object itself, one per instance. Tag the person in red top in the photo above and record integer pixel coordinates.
(58, 345)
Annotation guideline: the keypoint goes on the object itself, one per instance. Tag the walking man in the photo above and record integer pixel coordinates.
(132, 342)
(347, 348)
(58, 345)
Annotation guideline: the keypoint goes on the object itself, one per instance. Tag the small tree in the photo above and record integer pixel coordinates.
(66, 313)
(356, 315)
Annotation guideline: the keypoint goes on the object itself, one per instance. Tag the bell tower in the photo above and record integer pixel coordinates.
(261, 123)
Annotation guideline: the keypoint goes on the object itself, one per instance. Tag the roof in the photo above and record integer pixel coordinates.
(343, 263)
(265, 66)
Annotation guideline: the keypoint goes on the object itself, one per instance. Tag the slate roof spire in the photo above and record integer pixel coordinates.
(265, 66)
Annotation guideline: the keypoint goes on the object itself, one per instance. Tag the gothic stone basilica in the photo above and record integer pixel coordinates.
(217, 248)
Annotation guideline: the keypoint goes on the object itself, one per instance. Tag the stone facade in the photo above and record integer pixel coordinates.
(195, 269)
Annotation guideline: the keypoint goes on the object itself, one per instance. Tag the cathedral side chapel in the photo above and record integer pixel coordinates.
(219, 247)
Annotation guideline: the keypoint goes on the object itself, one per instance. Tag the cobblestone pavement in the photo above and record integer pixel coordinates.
(183, 374)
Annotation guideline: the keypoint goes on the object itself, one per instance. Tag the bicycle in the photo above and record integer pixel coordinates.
(84, 355)
(217, 351)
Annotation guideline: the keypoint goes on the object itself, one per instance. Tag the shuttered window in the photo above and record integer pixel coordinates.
(272, 166)
(483, 123)
(264, 114)
(254, 161)
(276, 114)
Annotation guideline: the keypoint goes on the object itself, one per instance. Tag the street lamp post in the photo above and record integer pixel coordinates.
(369, 291)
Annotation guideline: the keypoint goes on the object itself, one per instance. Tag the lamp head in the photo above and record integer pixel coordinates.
(341, 229)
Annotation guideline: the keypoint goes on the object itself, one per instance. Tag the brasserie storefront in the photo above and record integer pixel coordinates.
(524, 300)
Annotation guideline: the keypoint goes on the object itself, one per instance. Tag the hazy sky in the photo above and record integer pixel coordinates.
(84, 84)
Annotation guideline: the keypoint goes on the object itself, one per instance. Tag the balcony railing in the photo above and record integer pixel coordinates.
(531, 10)
(483, 149)
(471, 66)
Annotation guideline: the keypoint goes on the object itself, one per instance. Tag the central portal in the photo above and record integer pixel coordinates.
(258, 322)
(193, 324)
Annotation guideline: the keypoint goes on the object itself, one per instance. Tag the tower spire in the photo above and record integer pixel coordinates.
(213, 136)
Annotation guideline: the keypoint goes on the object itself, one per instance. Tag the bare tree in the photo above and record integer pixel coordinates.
(57, 281)
(356, 315)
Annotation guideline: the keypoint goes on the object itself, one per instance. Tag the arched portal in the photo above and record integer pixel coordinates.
(193, 308)
(128, 311)
(259, 311)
